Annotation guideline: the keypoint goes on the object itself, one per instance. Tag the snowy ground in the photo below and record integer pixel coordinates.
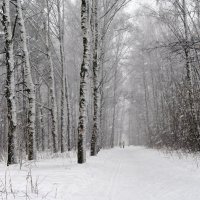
(133, 173)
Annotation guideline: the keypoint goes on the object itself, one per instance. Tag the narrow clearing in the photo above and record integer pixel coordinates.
(133, 173)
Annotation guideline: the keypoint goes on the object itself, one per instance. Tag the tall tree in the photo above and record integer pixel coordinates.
(83, 83)
(30, 88)
(95, 131)
(54, 117)
(62, 59)
(10, 83)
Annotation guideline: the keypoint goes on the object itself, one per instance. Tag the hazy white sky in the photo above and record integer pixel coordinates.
(135, 4)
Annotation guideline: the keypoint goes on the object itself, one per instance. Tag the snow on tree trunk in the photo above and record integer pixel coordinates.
(10, 83)
(95, 130)
(54, 127)
(83, 85)
(41, 126)
(30, 88)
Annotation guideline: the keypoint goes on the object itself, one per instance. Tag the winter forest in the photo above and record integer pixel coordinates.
(99, 99)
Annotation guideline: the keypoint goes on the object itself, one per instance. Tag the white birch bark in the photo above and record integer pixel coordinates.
(83, 85)
(95, 130)
(29, 85)
(10, 84)
(54, 128)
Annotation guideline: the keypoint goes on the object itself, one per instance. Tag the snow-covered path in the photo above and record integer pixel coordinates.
(133, 173)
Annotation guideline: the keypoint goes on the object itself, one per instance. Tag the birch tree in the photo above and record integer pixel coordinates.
(95, 131)
(54, 117)
(83, 84)
(30, 88)
(62, 58)
(65, 104)
(10, 84)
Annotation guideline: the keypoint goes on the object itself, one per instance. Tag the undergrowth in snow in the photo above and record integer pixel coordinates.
(128, 174)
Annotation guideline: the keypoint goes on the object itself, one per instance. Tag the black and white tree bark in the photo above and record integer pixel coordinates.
(83, 84)
(30, 88)
(10, 83)
(95, 131)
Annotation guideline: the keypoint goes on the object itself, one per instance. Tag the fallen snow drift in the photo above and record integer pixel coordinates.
(133, 173)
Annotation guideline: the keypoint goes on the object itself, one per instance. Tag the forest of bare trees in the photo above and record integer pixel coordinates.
(167, 58)
(86, 75)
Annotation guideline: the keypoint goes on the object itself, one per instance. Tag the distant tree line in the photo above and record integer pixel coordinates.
(165, 95)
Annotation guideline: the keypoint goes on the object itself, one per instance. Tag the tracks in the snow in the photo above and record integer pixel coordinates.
(113, 181)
